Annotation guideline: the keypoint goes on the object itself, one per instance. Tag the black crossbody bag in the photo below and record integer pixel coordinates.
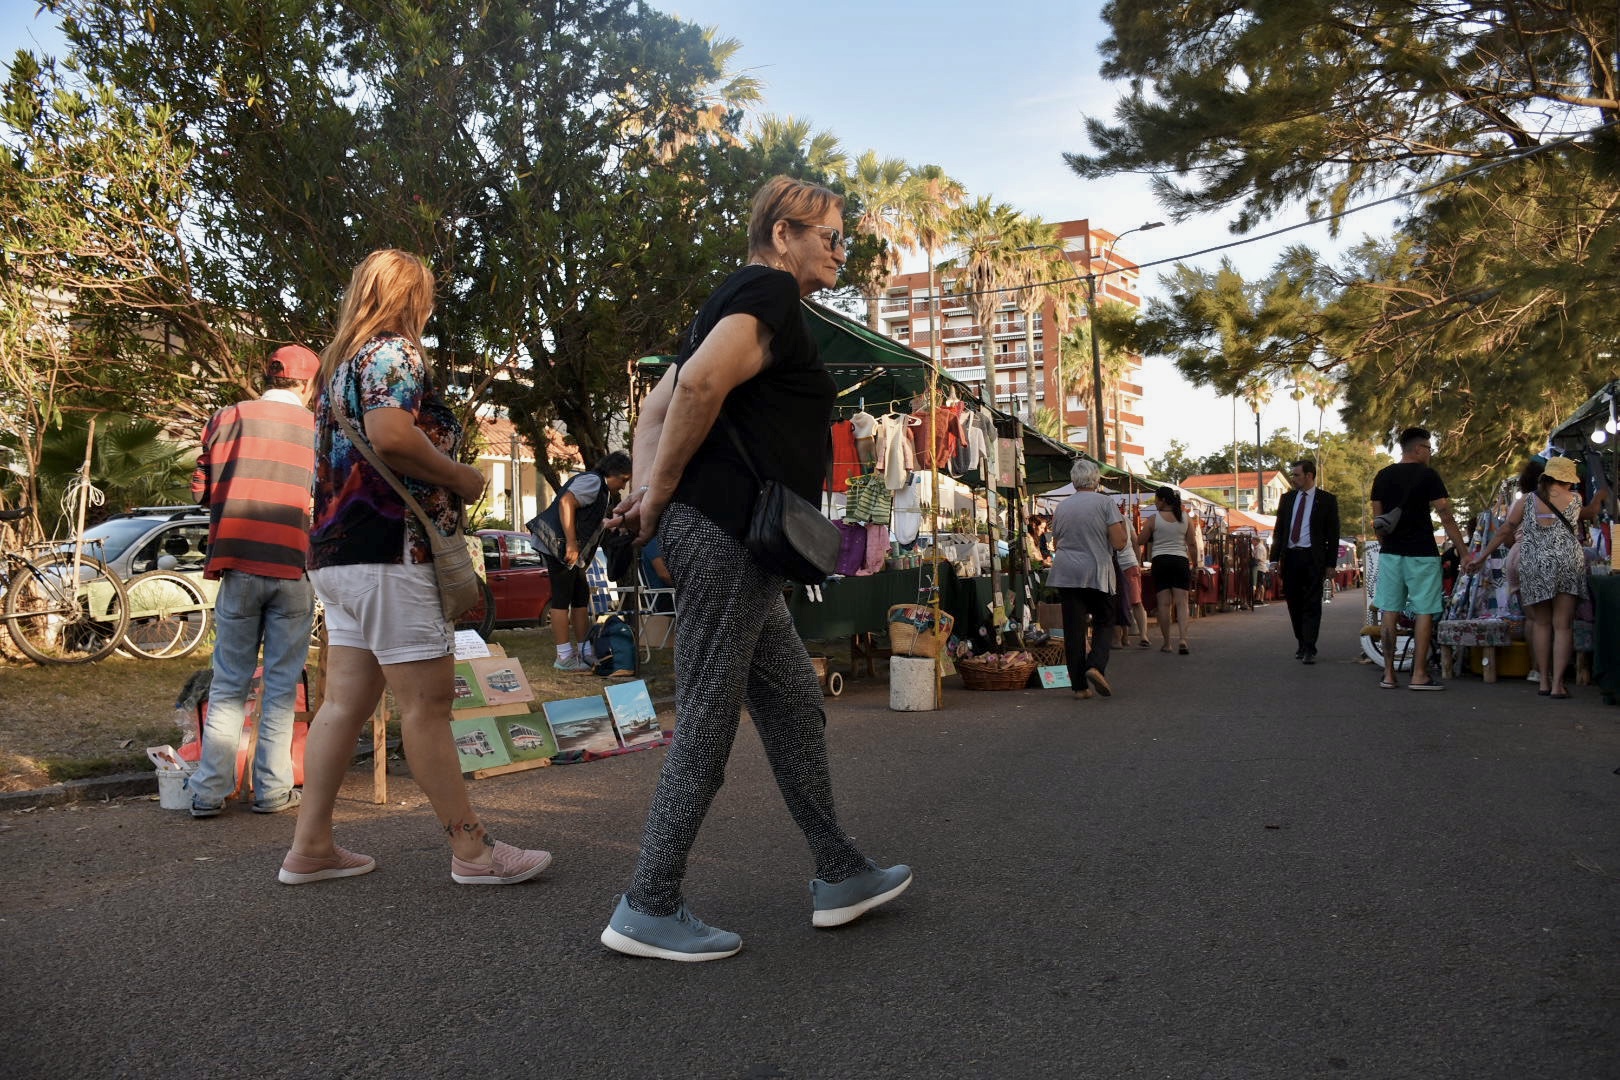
(787, 535)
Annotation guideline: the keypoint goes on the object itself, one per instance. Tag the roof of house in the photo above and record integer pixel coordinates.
(1224, 480)
(498, 432)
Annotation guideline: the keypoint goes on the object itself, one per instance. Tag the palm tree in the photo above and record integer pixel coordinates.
(707, 117)
(981, 230)
(1039, 259)
(1114, 319)
(930, 197)
(1321, 388)
(1256, 390)
(821, 152)
(881, 185)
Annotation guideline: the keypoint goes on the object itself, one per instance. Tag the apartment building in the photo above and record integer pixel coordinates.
(905, 314)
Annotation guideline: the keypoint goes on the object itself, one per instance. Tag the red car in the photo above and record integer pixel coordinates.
(517, 578)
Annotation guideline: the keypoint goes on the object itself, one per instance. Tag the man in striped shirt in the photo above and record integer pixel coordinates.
(255, 474)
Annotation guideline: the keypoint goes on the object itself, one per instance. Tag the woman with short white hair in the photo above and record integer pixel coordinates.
(1087, 529)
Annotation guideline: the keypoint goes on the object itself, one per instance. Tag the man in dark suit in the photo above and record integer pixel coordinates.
(1305, 545)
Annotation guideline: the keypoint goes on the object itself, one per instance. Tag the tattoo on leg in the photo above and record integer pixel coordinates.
(473, 826)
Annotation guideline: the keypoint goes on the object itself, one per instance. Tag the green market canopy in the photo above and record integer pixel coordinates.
(867, 366)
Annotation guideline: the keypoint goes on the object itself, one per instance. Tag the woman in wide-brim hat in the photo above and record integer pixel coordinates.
(1552, 567)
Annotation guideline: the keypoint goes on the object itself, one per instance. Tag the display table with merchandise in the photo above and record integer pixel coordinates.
(855, 607)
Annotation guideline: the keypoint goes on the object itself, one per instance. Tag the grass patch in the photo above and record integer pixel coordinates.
(64, 722)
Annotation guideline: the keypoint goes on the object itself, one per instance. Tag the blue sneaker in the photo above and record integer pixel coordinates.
(681, 936)
(853, 897)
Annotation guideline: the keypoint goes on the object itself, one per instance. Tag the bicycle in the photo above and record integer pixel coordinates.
(169, 615)
(1372, 642)
(61, 605)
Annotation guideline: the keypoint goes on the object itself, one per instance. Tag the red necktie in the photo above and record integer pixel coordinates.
(1299, 519)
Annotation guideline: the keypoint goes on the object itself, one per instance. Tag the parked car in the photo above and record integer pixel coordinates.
(154, 538)
(517, 577)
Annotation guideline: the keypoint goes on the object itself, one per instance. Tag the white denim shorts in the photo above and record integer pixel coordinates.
(390, 610)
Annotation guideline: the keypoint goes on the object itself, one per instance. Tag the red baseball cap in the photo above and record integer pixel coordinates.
(293, 362)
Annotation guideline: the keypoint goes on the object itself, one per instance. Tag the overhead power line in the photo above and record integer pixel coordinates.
(1482, 167)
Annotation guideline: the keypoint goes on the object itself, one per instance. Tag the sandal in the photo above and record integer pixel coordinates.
(1146, 644)
(1184, 651)
(1165, 649)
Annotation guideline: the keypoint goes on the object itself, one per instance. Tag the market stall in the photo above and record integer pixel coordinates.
(935, 536)
(1591, 435)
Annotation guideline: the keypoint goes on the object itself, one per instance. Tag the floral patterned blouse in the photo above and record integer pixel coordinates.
(358, 517)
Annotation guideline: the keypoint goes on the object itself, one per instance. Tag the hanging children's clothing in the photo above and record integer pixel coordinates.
(896, 453)
(864, 427)
(845, 461)
(869, 500)
(908, 512)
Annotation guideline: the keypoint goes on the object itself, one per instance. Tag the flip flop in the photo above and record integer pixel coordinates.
(1146, 644)
(1424, 686)
(1385, 684)
(1165, 648)
(1184, 651)
(1559, 696)
(1543, 693)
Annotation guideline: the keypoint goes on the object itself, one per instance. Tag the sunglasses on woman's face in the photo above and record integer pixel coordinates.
(835, 238)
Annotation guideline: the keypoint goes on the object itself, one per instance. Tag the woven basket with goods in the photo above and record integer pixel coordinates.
(996, 671)
(912, 631)
(1048, 653)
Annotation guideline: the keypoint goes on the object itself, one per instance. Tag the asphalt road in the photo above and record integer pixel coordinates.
(1237, 867)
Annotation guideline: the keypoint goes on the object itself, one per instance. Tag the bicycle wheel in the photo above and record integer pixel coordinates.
(168, 615)
(482, 617)
(56, 620)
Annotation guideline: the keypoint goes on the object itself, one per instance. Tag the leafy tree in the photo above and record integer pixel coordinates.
(1174, 465)
(571, 169)
(131, 464)
(1491, 311)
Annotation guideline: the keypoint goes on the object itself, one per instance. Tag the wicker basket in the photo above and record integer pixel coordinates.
(1047, 653)
(905, 639)
(980, 677)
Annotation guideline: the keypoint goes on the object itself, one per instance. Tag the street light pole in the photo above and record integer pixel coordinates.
(1094, 426)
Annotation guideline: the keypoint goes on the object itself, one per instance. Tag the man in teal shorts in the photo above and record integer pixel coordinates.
(1408, 559)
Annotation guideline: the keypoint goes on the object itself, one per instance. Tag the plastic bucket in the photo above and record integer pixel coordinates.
(911, 684)
(172, 793)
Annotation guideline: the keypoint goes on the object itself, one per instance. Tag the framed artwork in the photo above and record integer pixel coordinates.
(468, 694)
(528, 737)
(1054, 676)
(479, 744)
(633, 713)
(581, 724)
(501, 681)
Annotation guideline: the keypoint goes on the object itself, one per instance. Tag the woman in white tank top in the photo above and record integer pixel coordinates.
(1170, 547)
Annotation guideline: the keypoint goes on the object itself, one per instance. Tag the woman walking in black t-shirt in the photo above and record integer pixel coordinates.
(747, 366)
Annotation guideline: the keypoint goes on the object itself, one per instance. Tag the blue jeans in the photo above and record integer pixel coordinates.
(250, 610)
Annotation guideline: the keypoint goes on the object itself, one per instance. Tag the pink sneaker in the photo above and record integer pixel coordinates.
(299, 869)
(508, 866)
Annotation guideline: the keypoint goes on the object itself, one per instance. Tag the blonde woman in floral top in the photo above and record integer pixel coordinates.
(372, 568)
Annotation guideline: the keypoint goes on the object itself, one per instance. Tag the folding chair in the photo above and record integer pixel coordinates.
(651, 611)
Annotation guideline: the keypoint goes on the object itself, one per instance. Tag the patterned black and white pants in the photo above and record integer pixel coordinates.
(735, 645)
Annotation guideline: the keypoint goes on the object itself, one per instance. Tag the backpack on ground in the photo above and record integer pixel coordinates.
(614, 644)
